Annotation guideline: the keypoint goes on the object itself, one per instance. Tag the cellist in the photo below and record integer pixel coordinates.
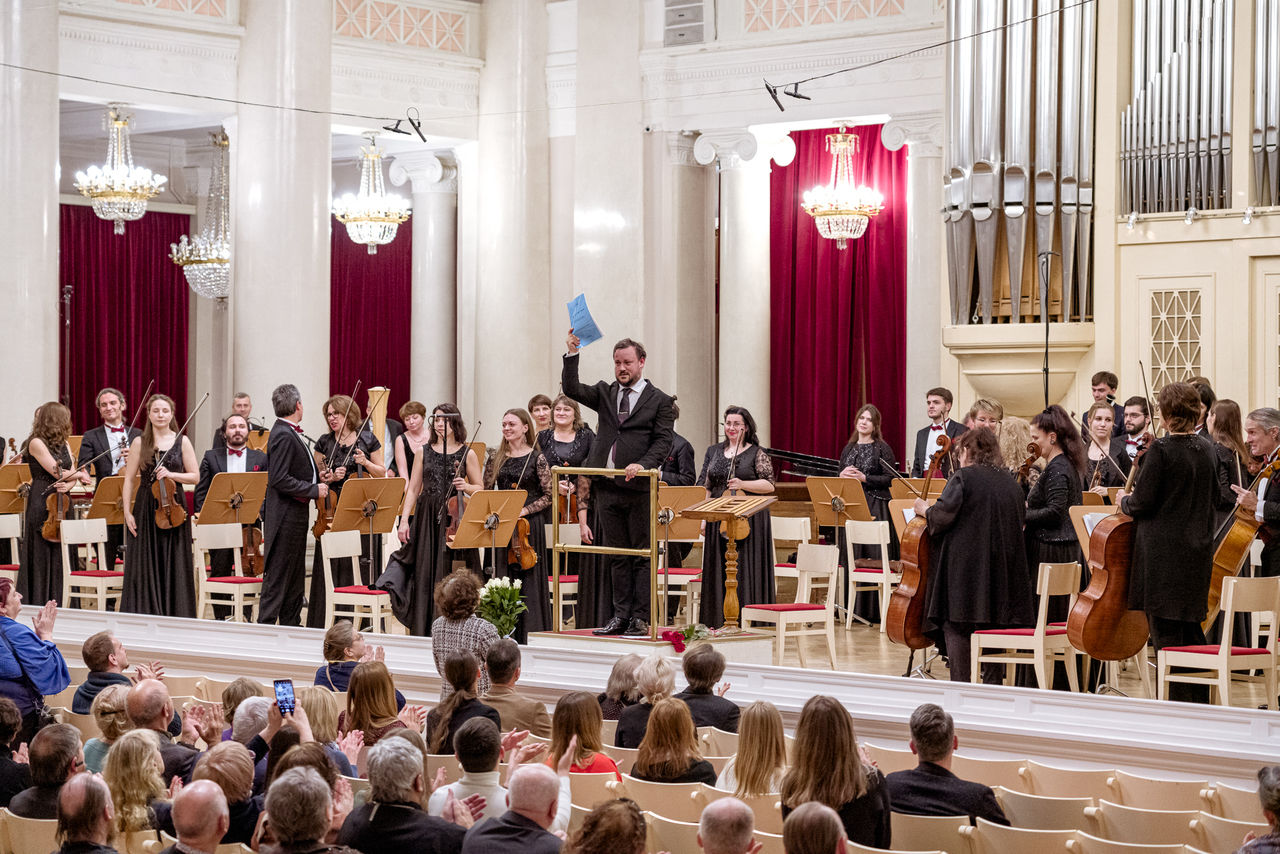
(1262, 435)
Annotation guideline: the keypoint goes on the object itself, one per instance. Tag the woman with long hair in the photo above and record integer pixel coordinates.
(1050, 534)
(1225, 427)
(613, 827)
(868, 459)
(829, 767)
(578, 715)
(371, 704)
(737, 465)
(669, 752)
(518, 463)
(158, 574)
(761, 760)
(462, 671)
(322, 714)
(48, 457)
(133, 772)
(442, 468)
(1109, 463)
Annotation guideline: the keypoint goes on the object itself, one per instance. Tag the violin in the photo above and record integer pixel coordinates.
(58, 505)
(251, 559)
(171, 507)
(1231, 553)
(327, 504)
(904, 618)
(520, 552)
(1033, 454)
(568, 507)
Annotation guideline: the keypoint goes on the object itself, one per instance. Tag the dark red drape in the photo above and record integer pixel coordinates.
(838, 316)
(128, 311)
(370, 300)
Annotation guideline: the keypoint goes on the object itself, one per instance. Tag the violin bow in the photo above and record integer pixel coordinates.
(177, 440)
(458, 468)
(85, 465)
(354, 442)
(333, 452)
(1106, 455)
(899, 476)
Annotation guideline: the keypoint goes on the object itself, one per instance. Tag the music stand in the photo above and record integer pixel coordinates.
(901, 487)
(368, 505)
(234, 498)
(13, 497)
(672, 501)
(734, 510)
(899, 516)
(837, 500)
(257, 439)
(108, 499)
(489, 519)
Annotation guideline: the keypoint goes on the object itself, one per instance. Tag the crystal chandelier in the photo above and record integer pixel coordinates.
(372, 216)
(206, 258)
(119, 190)
(842, 208)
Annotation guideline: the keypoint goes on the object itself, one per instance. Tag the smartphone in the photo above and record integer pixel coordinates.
(284, 695)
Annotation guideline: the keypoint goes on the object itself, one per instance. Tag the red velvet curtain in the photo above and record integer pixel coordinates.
(128, 315)
(838, 316)
(370, 301)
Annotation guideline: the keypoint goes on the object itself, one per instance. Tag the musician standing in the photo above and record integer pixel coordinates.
(1103, 385)
(634, 431)
(115, 435)
(48, 456)
(1109, 463)
(937, 403)
(292, 481)
(1262, 434)
(241, 405)
(868, 459)
(1137, 418)
(1224, 430)
(567, 442)
(540, 412)
(234, 456)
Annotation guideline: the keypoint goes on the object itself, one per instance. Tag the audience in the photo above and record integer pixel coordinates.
(654, 680)
(201, 819)
(299, 806)
(321, 710)
(229, 766)
(621, 690)
(462, 672)
(150, 708)
(829, 768)
(233, 695)
(613, 827)
(517, 711)
(703, 667)
(813, 828)
(578, 716)
(56, 757)
(930, 788)
(344, 648)
(371, 704)
(112, 717)
(1269, 795)
(726, 827)
(15, 773)
(669, 751)
(250, 718)
(85, 816)
(761, 760)
(533, 803)
(458, 628)
(107, 659)
(311, 755)
(132, 773)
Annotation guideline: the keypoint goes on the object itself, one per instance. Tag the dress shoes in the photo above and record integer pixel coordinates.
(636, 628)
(615, 626)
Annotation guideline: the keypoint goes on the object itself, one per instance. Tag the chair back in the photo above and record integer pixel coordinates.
(1232, 802)
(889, 759)
(1087, 843)
(987, 837)
(929, 832)
(135, 842)
(816, 564)
(1038, 812)
(226, 536)
(770, 843)
(1216, 833)
(587, 790)
(874, 533)
(1058, 579)
(625, 757)
(360, 788)
(577, 815)
(211, 689)
(608, 731)
(675, 801)
(79, 532)
(87, 724)
(447, 761)
(797, 529)
(570, 535)
(335, 545)
(1133, 824)
(990, 772)
(166, 840)
(720, 743)
(665, 834)
(28, 835)
(1248, 596)
(1151, 794)
(10, 526)
(1069, 782)
(855, 848)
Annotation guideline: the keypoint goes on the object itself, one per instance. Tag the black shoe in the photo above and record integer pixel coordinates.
(636, 628)
(613, 627)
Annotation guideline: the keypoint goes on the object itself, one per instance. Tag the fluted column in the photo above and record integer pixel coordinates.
(280, 198)
(29, 226)
(434, 182)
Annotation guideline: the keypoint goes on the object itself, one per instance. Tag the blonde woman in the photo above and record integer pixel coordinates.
(655, 680)
(669, 752)
(133, 774)
(109, 713)
(761, 760)
(322, 713)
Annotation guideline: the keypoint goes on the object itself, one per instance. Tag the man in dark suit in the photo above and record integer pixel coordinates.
(234, 456)
(703, 667)
(242, 405)
(115, 436)
(1137, 418)
(200, 817)
(292, 481)
(1262, 435)
(56, 756)
(634, 431)
(532, 800)
(1103, 384)
(930, 788)
(938, 404)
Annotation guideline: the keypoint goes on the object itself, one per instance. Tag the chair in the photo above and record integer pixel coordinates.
(447, 761)
(1224, 834)
(987, 837)
(675, 801)
(183, 686)
(136, 842)
(719, 742)
(237, 590)
(211, 689)
(878, 574)
(717, 762)
(28, 835)
(1151, 827)
(166, 840)
(624, 756)
(11, 530)
(1038, 812)
(767, 808)
(813, 563)
(570, 535)
(855, 848)
(1049, 781)
(1085, 843)
(990, 772)
(362, 601)
(1232, 802)
(1040, 646)
(608, 731)
(87, 724)
(890, 759)
(1220, 663)
(929, 832)
(770, 843)
(1151, 794)
(667, 834)
(360, 788)
(577, 815)
(94, 585)
(589, 789)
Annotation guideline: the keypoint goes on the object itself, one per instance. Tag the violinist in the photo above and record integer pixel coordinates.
(1262, 434)
(938, 402)
(1109, 463)
(868, 459)
(979, 570)
(1137, 419)
(158, 575)
(112, 435)
(48, 457)
(1224, 430)
(567, 442)
(234, 456)
(737, 465)
(518, 463)
(442, 468)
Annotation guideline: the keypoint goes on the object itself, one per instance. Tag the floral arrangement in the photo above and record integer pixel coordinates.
(500, 604)
(681, 638)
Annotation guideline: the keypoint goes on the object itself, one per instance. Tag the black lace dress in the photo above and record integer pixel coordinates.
(535, 479)
(595, 582)
(158, 575)
(344, 572)
(866, 457)
(40, 561)
(755, 551)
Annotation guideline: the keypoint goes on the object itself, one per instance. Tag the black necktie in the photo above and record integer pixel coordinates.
(624, 405)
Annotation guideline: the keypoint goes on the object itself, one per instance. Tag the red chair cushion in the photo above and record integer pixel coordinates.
(235, 579)
(1212, 649)
(785, 565)
(789, 606)
(1024, 633)
(361, 589)
(9, 567)
(95, 573)
(681, 570)
(568, 579)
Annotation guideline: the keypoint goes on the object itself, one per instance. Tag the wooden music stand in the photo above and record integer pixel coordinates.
(257, 439)
(1092, 499)
(901, 511)
(489, 519)
(1084, 517)
(1111, 493)
(898, 487)
(108, 499)
(734, 510)
(234, 498)
(837, 500)
(74, 442)
(13, 497)
(368, 505)
(672, 502)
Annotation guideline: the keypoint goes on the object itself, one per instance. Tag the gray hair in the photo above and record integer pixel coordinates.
(1269, 788)
(533, 788)
(655, 678)
(298, 806)
(1268, 418)
(394, 764)
(622, 679)
(250, 719)
(284, 400)
(726, 827)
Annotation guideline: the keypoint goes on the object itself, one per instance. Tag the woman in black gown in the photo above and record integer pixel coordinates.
(737, 464)
(158, 576)
(566, 443)
(416, 434)
(1108, 464)
(48, 457)
(344, 452)
(868, 458)
(441, 469)
(519, 464)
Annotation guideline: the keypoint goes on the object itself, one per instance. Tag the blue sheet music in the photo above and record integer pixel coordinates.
(580, 320)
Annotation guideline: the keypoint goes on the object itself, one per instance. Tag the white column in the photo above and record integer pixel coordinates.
(433, 368)
(29, 226)
(280, 198)
(922, 134)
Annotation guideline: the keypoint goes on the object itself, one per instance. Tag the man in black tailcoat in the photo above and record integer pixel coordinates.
(234, 456)
(937, 403)
(1262, 435)
(114, 435)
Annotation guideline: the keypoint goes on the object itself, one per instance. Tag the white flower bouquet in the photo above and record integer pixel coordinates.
(500, 604)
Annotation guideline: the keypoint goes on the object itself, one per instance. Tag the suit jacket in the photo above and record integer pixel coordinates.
(518, 711)
(919, 463)
(510, 832)
(393, 828)
(95, 442)
(215, 462)
(1271, 519)
(680, 467)
(645, 437)
(178, 759)
(1119, 452)
(289, 476)
(930, 789)
(36, 802)
(709, 710)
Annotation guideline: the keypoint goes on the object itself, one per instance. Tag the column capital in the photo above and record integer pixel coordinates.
(680, 149)
(921, 132)
(429, 171)
(734, 147)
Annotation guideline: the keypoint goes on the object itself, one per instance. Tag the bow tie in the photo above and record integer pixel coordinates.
(119, 429)
(1131, 441)
(935, 427)
(296, 427)
(236, 452)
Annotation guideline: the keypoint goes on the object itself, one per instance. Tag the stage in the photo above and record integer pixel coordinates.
(747, 647)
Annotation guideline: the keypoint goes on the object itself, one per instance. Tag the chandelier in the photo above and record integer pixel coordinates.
(206, 258)
(842, 209)
(118, 189)
(372, 216)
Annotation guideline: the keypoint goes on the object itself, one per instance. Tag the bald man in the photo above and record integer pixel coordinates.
(533, 795)
(201, 818)
(85, 816)
(725, 828)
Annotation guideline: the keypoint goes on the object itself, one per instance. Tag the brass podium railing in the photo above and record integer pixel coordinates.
(558, 548)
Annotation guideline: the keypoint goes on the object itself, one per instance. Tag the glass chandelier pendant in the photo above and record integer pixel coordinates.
(371, 217)
(118, 189)
(842, 209)
(206, 258)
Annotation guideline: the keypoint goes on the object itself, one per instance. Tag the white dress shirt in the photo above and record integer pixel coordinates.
(634, 391)
(114, 439)
(235, 462)
(931, 446)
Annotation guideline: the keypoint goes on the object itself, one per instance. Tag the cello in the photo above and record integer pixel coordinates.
(1234, 548)
(904, 618)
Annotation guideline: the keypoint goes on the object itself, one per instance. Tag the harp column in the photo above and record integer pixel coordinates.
(922, 134)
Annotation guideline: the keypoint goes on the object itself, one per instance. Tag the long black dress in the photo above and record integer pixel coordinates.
(40, 561)
(158, 576)
(867, 457)
(535, 479)
(344, 573)
(755, 551)
(595, 582)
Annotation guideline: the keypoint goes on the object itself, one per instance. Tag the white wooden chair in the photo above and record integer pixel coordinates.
(1231, 802)
(1224, 834)
(987, 837)
(361, 601)
(813, 563)
(570, 535)
(28, 835)
(1048, 781)
(929, 832)
(1038, 812)
(11, 530)
(675, 801)
(1040, 646)
(1136, 825)
(1218, 664)
(237, 590)
(94, 586)
(870, 574)
(1150, 793)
